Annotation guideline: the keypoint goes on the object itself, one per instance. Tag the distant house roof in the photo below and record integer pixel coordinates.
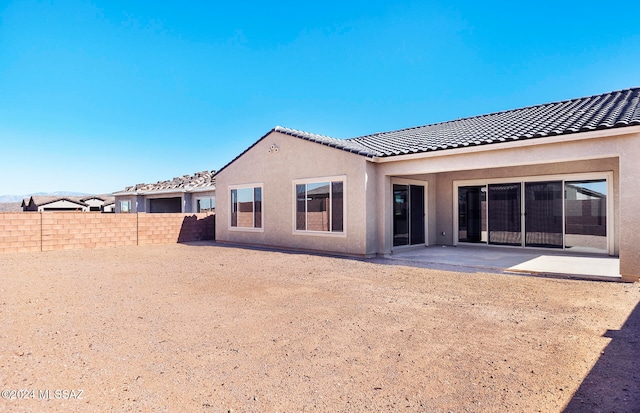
(106, 198)
(38, 200)
(199, 181)
(10, 207)
(45, 200)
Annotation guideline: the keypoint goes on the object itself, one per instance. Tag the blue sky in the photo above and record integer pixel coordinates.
(96, 96)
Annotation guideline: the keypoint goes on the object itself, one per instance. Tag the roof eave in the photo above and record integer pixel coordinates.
(507, 144)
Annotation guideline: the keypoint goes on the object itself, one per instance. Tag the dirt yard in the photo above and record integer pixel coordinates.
(204, 328)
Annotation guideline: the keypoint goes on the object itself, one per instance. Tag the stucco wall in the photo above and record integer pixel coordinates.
(297, 159)
(629, 206)
(130, 198)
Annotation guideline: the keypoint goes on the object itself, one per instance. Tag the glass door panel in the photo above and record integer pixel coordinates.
(586, 215)
(505, 226)
(416, 214)
(472, 214)
(543, 214)
(400, 215)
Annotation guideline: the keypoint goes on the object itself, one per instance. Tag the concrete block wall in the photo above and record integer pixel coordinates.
(20, 232)
(70, 230)
(24, 232)
(318, 221)
(170, 228)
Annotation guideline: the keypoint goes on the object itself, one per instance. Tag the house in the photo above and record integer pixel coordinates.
(91, 203)
(186, 194)
(562, 175)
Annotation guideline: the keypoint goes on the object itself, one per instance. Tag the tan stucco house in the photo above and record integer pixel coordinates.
(562, 175)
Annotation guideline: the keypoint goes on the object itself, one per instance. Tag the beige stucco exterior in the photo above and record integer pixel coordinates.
(297, 159)
(614, 153)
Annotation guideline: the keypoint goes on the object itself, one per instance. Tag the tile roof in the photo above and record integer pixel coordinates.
(40, 200)
(10, 207)
(606, 111)
(204, 179)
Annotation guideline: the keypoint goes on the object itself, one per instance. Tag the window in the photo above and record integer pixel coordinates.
(205, 204)
(246, 207)
(125, 206)
(320, 206)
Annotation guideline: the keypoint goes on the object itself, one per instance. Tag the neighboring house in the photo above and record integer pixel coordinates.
(563, 175)
(91, 203)
(109, 206)
(186, 194)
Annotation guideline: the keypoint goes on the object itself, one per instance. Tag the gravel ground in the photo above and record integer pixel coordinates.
(205, 328)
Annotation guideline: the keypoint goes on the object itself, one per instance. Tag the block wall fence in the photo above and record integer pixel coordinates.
(49, 231)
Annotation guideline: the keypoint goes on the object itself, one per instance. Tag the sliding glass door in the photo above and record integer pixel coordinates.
(586, 215)
(400, 215)
(408, 215)
(543, 214)
(505, 226)
(570, 214)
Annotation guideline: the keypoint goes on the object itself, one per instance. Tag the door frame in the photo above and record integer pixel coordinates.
(607, 175)
(415, 182)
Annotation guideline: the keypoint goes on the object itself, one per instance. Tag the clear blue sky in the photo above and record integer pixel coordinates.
(96, 96)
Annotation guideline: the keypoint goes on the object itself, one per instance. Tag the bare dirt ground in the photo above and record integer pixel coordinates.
(204, 328)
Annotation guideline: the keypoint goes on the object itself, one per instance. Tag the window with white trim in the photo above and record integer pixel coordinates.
(246, 207)
(320, 206)
(125, 206)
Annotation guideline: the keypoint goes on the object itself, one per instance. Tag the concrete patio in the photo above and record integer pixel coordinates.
(543, 262)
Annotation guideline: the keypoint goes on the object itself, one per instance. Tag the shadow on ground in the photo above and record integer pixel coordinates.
(613, 384)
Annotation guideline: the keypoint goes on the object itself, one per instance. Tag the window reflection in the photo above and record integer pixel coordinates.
(319, 206)
(586, 215)
(246, 207)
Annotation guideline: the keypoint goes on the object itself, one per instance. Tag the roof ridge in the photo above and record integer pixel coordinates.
(344, 144)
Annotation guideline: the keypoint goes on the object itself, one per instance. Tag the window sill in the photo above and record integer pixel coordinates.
(245, 229)
(321, 234)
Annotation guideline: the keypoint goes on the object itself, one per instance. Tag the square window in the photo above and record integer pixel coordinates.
(320, 206)
(125, 206)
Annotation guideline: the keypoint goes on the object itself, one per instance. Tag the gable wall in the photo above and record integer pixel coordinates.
(62, 204)
(298, 159)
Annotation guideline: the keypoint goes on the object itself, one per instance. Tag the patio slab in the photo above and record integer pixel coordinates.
(512, 260)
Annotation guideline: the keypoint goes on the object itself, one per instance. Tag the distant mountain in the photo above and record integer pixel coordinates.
(19, 198)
